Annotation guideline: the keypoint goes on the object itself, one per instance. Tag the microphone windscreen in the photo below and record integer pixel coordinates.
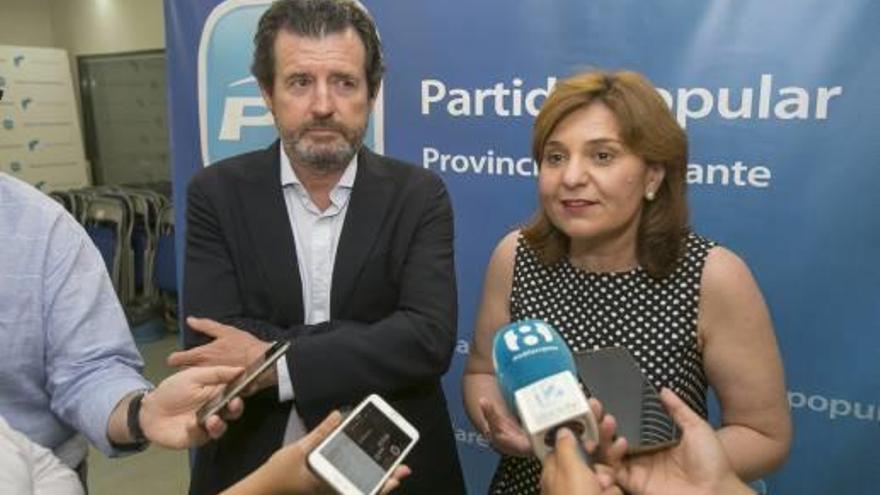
(526, 351)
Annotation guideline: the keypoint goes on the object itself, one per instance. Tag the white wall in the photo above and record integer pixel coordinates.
(84, 27)
(98, 27)
(91, 27)
(26, 23)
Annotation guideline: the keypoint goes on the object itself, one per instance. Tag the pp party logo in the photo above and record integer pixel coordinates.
(233, 118)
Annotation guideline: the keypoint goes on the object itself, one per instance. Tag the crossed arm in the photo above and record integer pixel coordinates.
(419, 330)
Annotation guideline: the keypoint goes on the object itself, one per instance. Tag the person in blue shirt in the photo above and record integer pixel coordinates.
(68, 365)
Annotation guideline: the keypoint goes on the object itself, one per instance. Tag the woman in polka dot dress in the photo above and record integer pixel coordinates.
(609, 260)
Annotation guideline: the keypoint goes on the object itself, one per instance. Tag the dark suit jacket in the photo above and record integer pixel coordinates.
(393, 306)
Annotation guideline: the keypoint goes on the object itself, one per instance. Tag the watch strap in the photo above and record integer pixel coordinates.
(134, 418)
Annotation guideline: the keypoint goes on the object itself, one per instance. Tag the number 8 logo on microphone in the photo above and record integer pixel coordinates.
(527, 330)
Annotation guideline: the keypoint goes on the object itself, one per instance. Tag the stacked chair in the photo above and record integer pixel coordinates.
(165, 274)
(125, 223)
(106, 221)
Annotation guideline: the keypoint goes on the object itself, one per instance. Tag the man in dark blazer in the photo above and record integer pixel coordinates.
(257, 259)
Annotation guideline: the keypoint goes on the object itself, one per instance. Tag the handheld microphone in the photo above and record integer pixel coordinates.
(537, 377)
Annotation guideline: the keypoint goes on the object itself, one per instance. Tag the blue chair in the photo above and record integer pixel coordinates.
(105, 222)
(165, 274)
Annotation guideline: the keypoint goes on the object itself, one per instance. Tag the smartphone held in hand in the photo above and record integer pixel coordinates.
(613, 376)
(235, 388)
(360, 455)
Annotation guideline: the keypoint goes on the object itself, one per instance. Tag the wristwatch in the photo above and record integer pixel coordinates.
(134, 420)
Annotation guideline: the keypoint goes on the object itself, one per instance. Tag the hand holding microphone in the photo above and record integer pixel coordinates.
(503, 430)
(538, 379)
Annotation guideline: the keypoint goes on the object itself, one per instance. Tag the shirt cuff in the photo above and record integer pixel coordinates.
(285, 385)
(101, 406)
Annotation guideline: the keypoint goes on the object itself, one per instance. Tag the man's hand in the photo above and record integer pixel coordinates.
(697, 465)
(168, 413)
(230, 347)
(287, 472)
(566, 471)
(608, 453)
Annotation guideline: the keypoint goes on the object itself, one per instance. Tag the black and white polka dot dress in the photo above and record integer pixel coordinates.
(655, 319)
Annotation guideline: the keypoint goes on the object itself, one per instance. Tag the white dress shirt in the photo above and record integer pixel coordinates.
(316, 236)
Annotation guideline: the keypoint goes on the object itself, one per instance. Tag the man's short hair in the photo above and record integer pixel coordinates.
(316, 19)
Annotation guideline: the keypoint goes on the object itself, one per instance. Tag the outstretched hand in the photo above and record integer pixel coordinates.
(697, 465)
(168, 413)
(230, 347)
(287, 471)
(566, 470)
(608, 452)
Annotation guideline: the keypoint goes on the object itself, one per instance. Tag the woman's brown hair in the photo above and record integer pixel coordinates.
(649, 130)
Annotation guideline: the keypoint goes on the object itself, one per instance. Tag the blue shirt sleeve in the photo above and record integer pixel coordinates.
(91, 359)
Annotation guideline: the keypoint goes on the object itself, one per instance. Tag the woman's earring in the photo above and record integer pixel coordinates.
(649, 195)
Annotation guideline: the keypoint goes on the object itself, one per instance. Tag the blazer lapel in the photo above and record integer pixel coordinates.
(268, 225)
(370, 198)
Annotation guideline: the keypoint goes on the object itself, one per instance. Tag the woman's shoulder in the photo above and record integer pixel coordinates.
(725, 272)
(499, 272)
(505, 251)
(731, 301)
(696, 242)
(719, 268)
(716, 257)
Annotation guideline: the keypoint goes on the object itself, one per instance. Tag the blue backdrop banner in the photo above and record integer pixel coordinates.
(778, 99)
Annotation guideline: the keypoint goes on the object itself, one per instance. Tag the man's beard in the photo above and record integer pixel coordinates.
(323, 157)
